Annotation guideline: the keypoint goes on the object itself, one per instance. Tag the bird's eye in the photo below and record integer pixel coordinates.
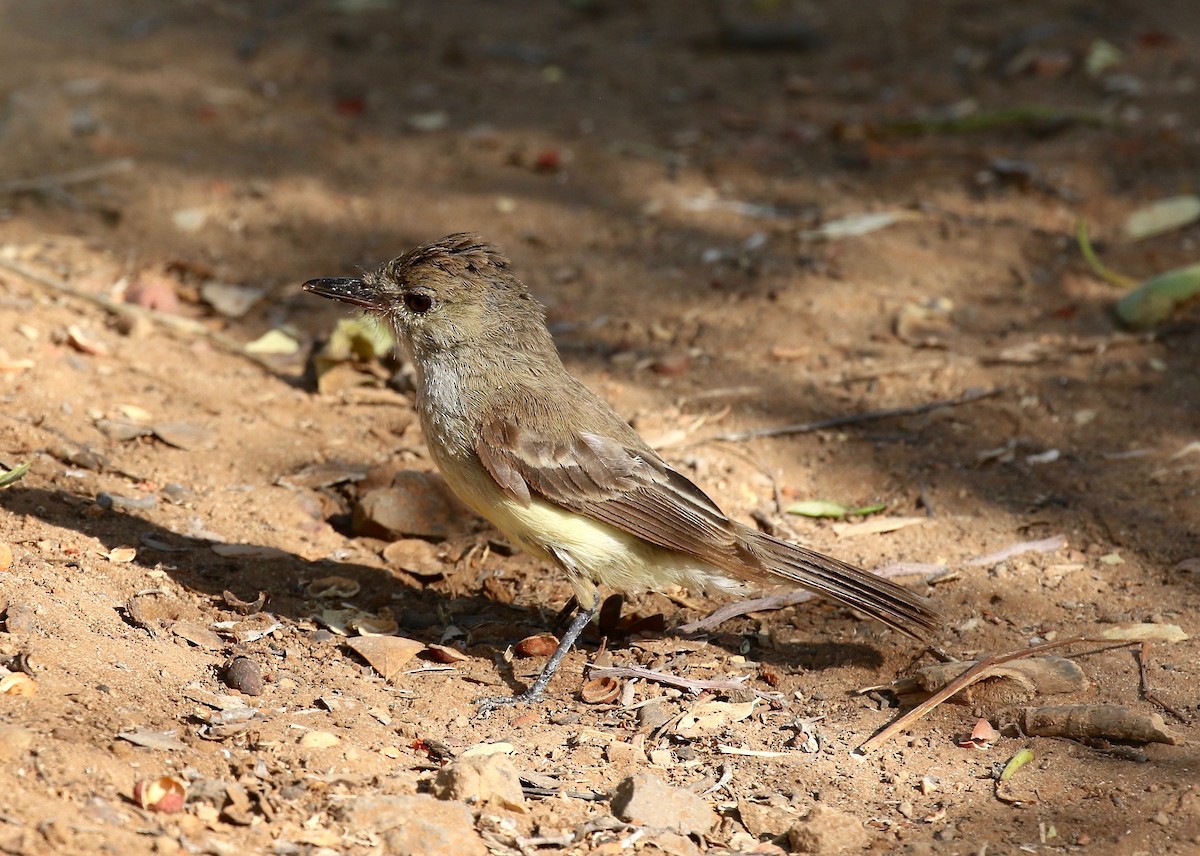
(417, 303)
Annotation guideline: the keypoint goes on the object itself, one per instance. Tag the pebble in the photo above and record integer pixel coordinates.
(766, 820)
(243, 674)
(481, 780)
(417, 504)
(319, 740)
(647, 800)
(416, 825)
(117, 502)
(828, 831)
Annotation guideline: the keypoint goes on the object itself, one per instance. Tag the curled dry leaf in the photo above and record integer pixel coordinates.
(166, 794)
(122, 555)
(1005, 683)
(85, 343)
(982, 736)
(328, 587)
(541, 645)
(445, 654)
(387, 654)
(17, 684)
(374, 625)
(245, 607)
(600, 690)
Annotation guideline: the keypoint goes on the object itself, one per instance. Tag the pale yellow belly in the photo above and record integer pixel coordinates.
(592, 552)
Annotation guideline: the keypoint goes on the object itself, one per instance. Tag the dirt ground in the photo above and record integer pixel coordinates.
(656, 171)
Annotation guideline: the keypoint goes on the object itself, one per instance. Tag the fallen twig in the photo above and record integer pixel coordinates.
(176, 323)
(1046, 545)
(694, 684)
(968, 397)
(1147, 692)
(970, 676)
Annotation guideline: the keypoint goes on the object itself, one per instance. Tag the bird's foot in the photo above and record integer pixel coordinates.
(489, 703)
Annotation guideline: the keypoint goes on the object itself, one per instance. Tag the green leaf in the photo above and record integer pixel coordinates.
(1156, 298)
(829, 508)
(1097, 266)
(818, 508)
(1015, 763)
(15, 474)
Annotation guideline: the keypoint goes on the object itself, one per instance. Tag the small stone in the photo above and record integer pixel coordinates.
(828, 831)
(480, 780)
(243, 674)
(766, 820)
(652, 715)
(647, 800)
(416, 825)
(417, 504)
(319, 740)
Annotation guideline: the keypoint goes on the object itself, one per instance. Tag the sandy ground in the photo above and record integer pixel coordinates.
(656, 178)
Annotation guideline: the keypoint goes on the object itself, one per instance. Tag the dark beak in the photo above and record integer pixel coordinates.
(352, 291)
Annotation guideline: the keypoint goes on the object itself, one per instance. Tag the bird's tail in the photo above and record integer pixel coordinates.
(879, 598)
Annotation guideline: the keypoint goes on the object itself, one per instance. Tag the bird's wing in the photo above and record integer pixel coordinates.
(623, 484)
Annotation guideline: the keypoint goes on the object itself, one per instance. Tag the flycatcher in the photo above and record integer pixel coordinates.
(554, 468)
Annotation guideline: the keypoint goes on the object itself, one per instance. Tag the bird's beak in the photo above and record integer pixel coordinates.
(352, 291)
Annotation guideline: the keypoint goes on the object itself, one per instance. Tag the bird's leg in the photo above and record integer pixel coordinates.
(538, 687)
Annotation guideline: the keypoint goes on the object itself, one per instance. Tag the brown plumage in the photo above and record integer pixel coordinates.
(552, 465)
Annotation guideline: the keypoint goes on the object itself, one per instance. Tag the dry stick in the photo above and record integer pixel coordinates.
(175, 323)
(968, 397)
(970, 676)
(1144, 678)
(82, 175)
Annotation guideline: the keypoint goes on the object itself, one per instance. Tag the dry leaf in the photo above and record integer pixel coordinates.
(17, 684)
(713, 716)
(445, 654)
(198, 635)
(983, 735)
(876, 526)
(600, 690)
(374, 625)
(329, 587)
(183, 435)
(122, 555)
(387, 654)
(84, 343)
(162, 740)
(541, 645)
(249, 551)
(1145, 633)
(1005, 683)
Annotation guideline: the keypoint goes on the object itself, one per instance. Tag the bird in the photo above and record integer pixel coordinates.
(551, 465)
